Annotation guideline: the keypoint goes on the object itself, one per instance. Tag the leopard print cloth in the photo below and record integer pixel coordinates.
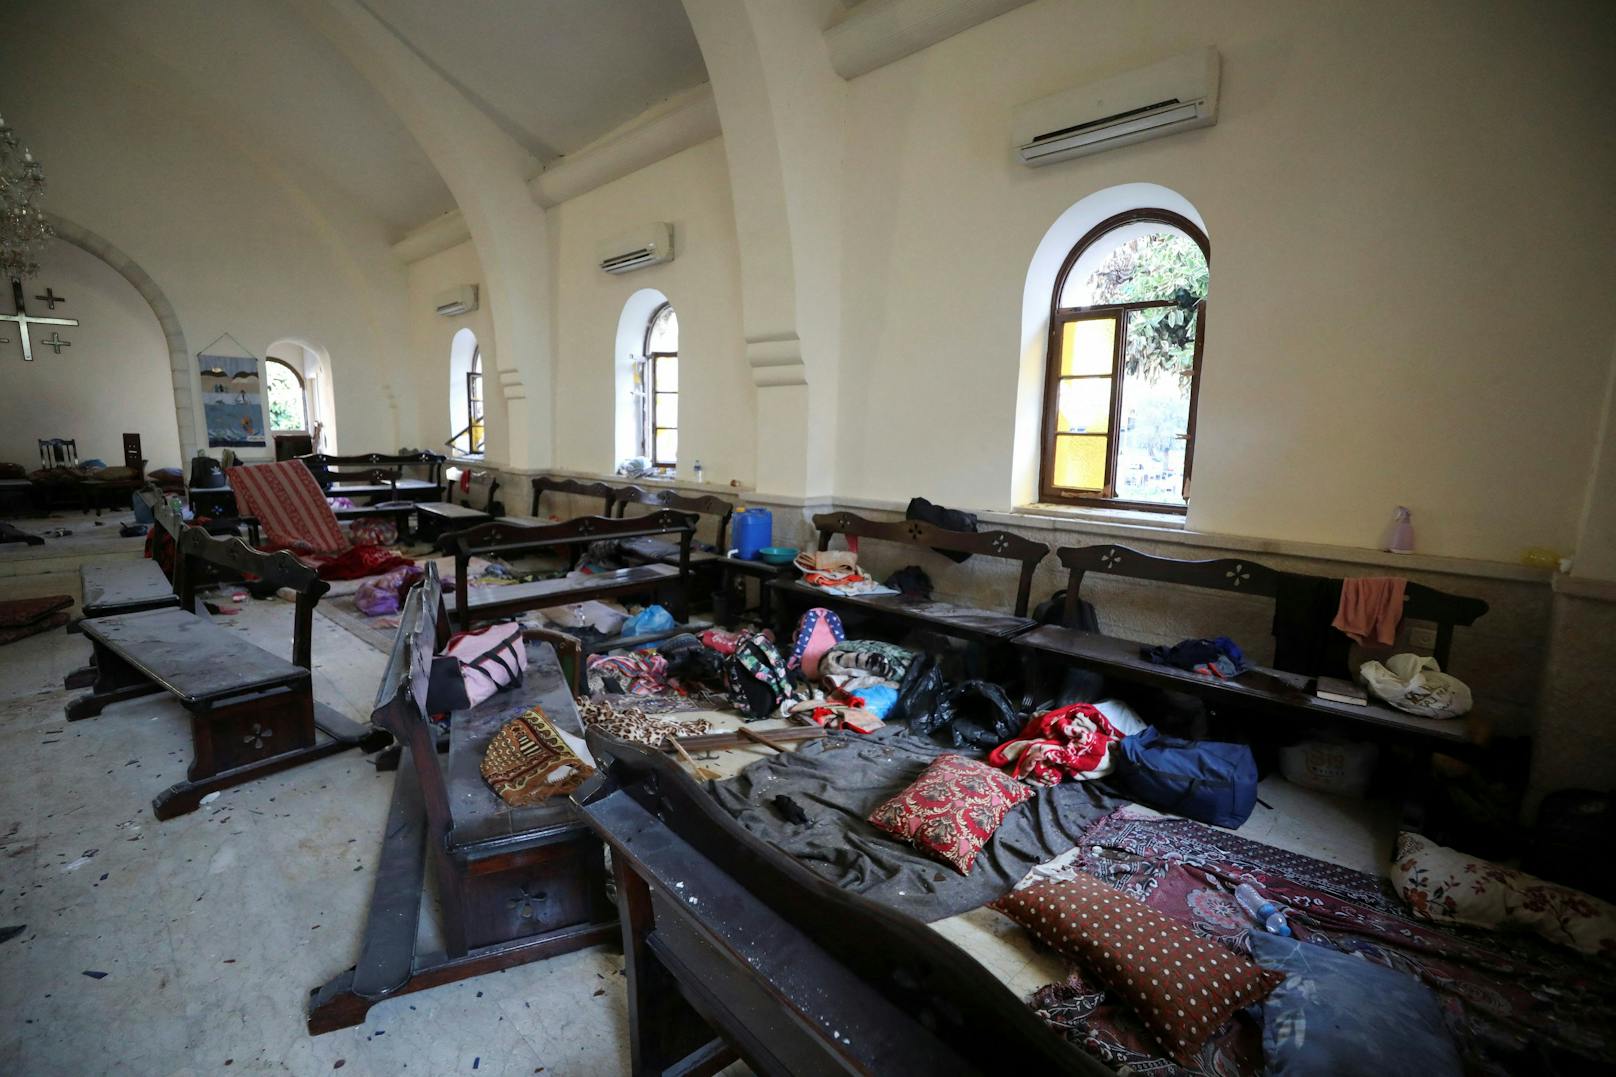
(633, 724)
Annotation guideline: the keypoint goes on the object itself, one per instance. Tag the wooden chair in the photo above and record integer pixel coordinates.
(515, 884)
(252, 713)
(733, 949)
(965, 622)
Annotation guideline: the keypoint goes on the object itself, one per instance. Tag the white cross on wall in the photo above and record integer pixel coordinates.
(24, 320)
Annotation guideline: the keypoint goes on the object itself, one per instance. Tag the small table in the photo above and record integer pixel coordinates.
(434, 518)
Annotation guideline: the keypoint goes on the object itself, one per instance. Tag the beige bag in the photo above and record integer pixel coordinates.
(529, 760)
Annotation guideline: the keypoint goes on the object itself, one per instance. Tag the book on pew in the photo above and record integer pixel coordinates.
(1337, 690)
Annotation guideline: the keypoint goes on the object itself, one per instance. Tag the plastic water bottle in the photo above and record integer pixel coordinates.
(1260, 909)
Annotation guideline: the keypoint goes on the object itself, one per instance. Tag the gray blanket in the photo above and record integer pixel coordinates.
(838, 781)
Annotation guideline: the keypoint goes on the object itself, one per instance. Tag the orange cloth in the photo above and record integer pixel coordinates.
(1371, 608)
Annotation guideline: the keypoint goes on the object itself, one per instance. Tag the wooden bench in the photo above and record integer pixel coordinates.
(488, 603)
(726, 571)
(113, 587)
(378, 475)
(252, 713)
(946, 617)
(547, 484)
(733, 949)
(515, 884)
(1259, 690)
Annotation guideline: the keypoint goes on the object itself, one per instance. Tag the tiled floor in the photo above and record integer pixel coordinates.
(211, 928)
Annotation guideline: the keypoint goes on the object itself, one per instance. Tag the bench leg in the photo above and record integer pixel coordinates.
(245, 740)
(114, 681)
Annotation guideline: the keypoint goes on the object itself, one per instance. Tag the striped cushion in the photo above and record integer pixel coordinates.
(289, 505)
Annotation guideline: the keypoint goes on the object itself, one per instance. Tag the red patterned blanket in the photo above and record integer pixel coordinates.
(1514, 1003)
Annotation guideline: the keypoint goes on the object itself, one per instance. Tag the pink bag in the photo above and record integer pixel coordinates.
(818, 631)
(475, 665)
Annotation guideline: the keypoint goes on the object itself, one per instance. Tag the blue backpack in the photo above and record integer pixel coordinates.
(1208, 781)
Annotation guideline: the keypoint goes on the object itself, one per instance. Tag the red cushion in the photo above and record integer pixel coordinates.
(1182, 987)
(952, 809)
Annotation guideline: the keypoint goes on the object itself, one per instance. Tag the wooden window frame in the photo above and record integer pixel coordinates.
(1060, 316)
(302, 388)
(476, 429)
(651, 360)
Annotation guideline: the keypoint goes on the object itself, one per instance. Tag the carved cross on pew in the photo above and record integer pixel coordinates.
(51, 298)
(24, 320)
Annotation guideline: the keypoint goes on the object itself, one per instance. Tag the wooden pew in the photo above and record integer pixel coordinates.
(733, 949)
(1271, 692)
(725, 571)
(252, 713)
(501, 538)
(515, 884)
(128, 586)
(547, 484)
(965, 622)
(378, 475)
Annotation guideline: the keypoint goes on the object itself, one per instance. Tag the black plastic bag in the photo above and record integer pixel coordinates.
(975, 714)
(947, 519)
(918, 693)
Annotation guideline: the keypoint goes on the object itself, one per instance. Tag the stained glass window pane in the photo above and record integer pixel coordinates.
(667, 374)
(667, 446)
(1080, 461)
(1086, 346)
(1084, 405)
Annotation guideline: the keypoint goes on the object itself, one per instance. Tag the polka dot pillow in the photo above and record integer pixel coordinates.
(952, 809)
(1181, 986)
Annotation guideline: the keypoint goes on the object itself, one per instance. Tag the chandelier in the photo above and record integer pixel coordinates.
(24, 231)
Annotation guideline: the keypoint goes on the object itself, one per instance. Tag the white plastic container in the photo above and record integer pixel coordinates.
(1330, 766)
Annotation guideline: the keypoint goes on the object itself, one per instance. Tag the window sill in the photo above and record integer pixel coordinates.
(1168, 521)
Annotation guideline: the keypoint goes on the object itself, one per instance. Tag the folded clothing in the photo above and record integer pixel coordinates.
(1069, 742)
(1219, 657)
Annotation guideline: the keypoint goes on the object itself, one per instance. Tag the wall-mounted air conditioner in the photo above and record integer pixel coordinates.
(456, 301)
(1166, 97)
(647, 246)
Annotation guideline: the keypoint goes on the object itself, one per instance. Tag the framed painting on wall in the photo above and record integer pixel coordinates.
(232, 401)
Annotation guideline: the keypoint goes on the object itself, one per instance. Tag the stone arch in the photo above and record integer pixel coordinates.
(179, 355)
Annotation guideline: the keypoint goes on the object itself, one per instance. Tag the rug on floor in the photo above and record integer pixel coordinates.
(24, 617)
(1514, 1003)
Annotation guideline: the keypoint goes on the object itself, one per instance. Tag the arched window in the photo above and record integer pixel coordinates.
(660, 377)
(466, 395)
(288, 401)
(1126, 328)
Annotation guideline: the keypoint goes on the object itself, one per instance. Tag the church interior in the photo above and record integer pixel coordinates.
(807, 536)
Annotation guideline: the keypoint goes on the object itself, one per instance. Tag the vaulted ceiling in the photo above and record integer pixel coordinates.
(553, 74)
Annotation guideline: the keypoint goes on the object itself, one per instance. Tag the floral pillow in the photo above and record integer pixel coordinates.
(1447, 887)
(952, 809)
(1182, 987)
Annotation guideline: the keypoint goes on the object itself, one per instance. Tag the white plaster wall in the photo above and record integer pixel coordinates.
(1411, 207)
(113, 380)
(716, 398)
(428, 421)
(235, 237)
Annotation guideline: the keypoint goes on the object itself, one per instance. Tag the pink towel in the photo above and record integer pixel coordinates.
(1371, 608)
